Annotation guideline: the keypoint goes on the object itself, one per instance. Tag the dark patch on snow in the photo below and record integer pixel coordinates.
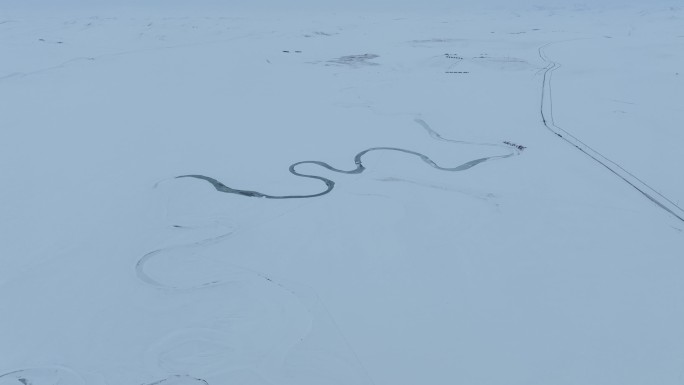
(356, 60)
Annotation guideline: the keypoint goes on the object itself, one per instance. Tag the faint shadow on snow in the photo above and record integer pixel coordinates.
(503, 63)
(42, 376)
(481, 196)
(355, 60)
(180, 380)
(320, 34)
(431, 43)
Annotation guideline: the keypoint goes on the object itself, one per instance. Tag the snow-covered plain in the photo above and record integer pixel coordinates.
(539, 265)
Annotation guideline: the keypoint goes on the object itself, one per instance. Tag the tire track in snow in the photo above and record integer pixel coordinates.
(360, 168)
(546, 111)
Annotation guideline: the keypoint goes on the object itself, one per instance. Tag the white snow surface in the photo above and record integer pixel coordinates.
(540, 265)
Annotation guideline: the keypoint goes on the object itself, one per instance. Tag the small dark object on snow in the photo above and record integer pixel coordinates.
(518, 146)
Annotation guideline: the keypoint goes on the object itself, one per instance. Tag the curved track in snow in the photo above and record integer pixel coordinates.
(271, 323)
(144, 276)
(546, 111)
(330, 184)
